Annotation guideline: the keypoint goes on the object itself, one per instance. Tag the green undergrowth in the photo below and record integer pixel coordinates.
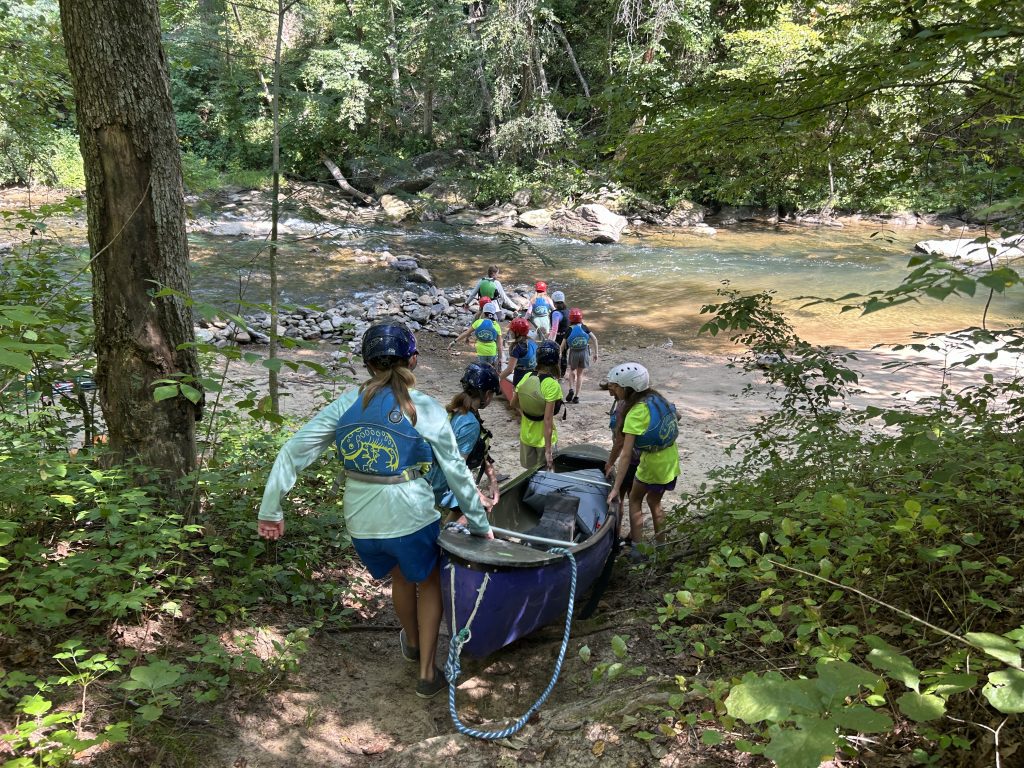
(117, 612)
(852, 583)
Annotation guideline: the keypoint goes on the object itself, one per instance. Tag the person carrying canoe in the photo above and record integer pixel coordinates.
(487, 334)
(479, 385)
(522, 351)
(490, 288)
(649, 424)
(387, 435)
(539, 397)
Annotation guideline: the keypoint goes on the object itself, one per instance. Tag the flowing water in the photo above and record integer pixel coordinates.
(645, 290)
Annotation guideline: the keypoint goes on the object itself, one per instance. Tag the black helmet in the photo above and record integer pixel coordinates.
(480, 377)
(388, 338)
(548, 353)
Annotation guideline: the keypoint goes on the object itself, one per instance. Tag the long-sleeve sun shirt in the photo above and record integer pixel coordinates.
(372, 510)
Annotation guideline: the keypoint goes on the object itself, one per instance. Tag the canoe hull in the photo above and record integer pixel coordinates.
(524, 588)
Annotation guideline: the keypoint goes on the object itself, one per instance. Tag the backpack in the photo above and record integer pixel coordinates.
(540, 307)
(579, 337)
(488, 287)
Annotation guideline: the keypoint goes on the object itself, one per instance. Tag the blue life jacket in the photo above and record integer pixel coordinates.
(579, 337)
(541, 307)
(525, 353)
(663, 429)
(379, 439)
(487, 331)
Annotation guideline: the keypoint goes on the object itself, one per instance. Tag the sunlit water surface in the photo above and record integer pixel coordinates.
(643, 291)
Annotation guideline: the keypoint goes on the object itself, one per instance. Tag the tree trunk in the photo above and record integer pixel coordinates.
(342, 182)
(476, 13)
(136, 219)
(428, 112)
(560, 34)
(275, 212)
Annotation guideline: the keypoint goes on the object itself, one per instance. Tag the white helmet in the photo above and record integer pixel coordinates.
(631, 375)
(558, 296)
(491, 308)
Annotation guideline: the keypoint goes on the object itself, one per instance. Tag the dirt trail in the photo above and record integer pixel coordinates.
(352, 702)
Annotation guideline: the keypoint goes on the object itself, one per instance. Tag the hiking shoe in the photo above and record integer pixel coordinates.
(570, 396)
(408, 652)
(575, 399)
(636, 557)
(428, 689)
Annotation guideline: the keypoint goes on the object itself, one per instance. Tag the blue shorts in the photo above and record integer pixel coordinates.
(655, 487)
(491, 360)
(417, 554)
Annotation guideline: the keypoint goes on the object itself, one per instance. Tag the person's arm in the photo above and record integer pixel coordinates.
(593, 340)
(475, 292)
(298, 453)
(499, 293)
(554, 328)
(433, 425)
(617, 440)
(512, 363)
(623, 466)
(461, 337)
(549, 427)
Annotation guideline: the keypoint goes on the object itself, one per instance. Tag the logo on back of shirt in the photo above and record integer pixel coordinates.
(370, 450)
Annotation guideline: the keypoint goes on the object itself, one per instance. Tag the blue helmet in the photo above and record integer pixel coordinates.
(548, 353)
(480, 377)
(388, 338)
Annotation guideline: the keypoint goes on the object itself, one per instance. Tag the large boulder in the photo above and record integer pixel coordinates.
(394, 208)
(539, 218)
(590, 222)
(731, 214)
(972, 252)
(685, 214)
(495, 216)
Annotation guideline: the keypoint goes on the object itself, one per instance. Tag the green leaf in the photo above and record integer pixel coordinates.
(15, 360)
(888, 659)
(921, 707)
(165, 392)
(191, 393)
(947, 685)
(153, 677)
(618, 647)
(35, 705)
(839, 679)
(1005, 690)
(150, 712)
(585, 653)
(996, 646)
(759, 700)
(711, 738)
(807, 746)
(863, 719)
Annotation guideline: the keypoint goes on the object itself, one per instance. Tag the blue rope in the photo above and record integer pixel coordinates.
(453, 667)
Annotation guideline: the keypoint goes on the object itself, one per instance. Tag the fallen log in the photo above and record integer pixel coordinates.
(342, 182)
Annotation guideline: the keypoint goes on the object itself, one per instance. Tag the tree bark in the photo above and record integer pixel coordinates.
(342, 182)
(476, 12)
(136, 220)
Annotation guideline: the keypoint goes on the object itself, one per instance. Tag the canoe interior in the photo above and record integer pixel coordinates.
(512, 514)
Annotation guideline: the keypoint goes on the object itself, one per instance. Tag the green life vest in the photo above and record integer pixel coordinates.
(531, 399)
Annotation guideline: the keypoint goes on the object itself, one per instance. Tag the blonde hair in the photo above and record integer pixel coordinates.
(391, 372)
(466, 402)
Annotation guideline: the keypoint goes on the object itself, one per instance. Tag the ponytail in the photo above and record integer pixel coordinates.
(467, 401)
(393, 373)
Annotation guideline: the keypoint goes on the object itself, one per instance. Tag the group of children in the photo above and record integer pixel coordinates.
(406, 457)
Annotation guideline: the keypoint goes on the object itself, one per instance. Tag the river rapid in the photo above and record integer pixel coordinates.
(644, 291)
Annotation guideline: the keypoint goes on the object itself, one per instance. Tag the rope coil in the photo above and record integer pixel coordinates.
(462, 636)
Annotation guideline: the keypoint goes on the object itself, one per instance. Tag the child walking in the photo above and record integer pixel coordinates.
(540, 310)
(650, 425)
(522, 352)
(577, 344)
(388, 505)
(538, 397)
(487, 333)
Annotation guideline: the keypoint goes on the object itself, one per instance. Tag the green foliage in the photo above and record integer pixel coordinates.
(809, 544)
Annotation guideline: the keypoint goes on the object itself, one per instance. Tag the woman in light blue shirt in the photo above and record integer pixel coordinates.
(388, 435)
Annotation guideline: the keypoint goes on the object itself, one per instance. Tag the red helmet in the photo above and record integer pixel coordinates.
(520, 327)
(541, 286)
(575, 315)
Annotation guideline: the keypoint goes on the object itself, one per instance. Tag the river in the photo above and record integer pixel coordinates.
(645, 290)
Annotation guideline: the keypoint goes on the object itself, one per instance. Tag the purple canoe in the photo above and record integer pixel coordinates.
(525, 587)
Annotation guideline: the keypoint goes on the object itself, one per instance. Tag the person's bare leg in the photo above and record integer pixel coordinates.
(403, 595)
(657, 515)
(428, 609)
(636, 517)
